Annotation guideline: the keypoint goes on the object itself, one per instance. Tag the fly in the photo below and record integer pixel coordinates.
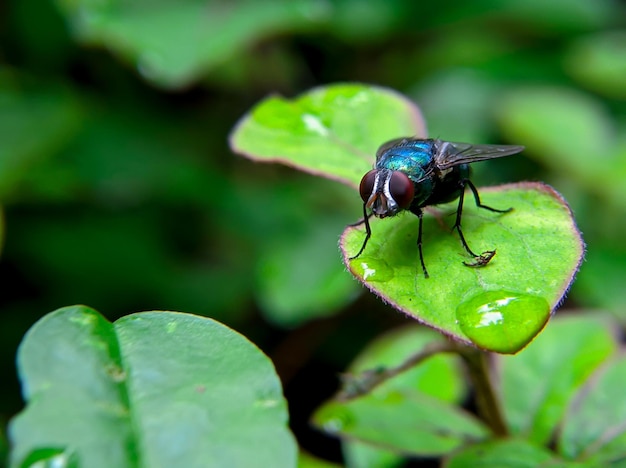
(412, 173)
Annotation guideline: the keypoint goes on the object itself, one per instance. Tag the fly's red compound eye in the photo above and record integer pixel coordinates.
(401, 189)
(367, 185)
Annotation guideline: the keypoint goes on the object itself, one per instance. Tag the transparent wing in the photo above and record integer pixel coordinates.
(450, 154)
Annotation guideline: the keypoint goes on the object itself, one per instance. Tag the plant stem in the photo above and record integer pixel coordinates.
(364, 382)
(486, 399)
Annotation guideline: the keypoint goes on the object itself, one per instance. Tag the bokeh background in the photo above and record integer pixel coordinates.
(119, 190)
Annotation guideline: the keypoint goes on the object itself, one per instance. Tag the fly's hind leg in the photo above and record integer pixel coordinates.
(468, 183)
(485, 257)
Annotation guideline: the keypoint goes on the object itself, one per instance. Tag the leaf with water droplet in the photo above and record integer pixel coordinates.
(538, 247)
(332, 131)
(112, 393)
(48, 457)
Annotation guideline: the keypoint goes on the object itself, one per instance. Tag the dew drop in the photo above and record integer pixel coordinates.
(50, 458)
(314, 124)
(335, 419)
(502, 321)
(171, 326)
(371, 269)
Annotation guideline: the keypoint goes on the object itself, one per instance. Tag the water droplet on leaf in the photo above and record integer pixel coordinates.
(502, 321)
(371, 269)
(314, 125)
(335, 418)
(50, 458)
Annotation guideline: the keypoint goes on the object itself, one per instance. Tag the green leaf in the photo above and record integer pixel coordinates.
(292, 290)
(563, 128)
(500, 307)
(1, 229)
(152, 389)
(362, 455)
(594, 427)
(502, 453)
(559, 16)
(598, 61)
(412, 413)
(439, 376)
(35, 121)
(599, 282)
(173, 43)
(458, 102)
(332, 131)
(306, 460)
(4, 445)
(538, 384)
(404, 422)
(296, 226)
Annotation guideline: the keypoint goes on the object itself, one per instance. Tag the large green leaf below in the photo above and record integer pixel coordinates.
(152, 389)
(499, 307)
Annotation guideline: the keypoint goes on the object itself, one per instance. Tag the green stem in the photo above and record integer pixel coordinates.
(486, 399)
(364, 382)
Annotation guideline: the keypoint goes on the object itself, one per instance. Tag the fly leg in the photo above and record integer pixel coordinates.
(467, 182)
(485, 257)
(368, 231)
(418, 212)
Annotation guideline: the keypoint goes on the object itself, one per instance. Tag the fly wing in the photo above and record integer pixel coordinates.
(450, 154)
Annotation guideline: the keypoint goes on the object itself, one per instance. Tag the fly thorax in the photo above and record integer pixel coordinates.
(423, 190)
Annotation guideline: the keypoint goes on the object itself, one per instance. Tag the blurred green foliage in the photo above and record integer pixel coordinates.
(119, 191)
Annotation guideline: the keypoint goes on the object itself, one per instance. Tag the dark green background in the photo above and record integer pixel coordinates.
(119, 190)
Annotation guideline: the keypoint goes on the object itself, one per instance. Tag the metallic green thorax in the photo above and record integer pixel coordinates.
(416, 160)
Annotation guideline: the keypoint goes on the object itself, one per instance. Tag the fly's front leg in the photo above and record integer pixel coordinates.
(368, 230)
(418, 212)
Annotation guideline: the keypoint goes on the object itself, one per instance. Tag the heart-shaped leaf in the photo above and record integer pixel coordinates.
(332, 131)
(152, 389)
(500, 307)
